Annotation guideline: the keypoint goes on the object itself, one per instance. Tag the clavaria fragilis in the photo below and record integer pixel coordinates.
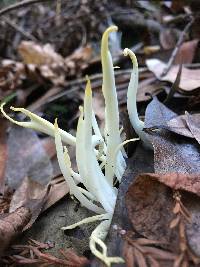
(137, 124)
(93, 151)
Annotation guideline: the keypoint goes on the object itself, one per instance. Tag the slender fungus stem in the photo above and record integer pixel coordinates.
(111, 107)
(137, 124)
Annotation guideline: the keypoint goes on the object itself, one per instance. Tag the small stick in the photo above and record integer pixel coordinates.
(19, 29)
(20, 5)
(177, 47)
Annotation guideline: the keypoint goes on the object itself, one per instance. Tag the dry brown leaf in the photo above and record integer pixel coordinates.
(12, 225)
(43, 63)
(31, 195)
(142, 252)
(179, 181)
(58, 190)
(28, 190)
(83, 54)
(186, 52)
(190, 78)
(30, 254)
(36, 54)
(11, 75)
(179, 126)
(170, 153)
(139, 258)
(186, 125)
(31, 159)
(147, 88)
(150, 207)
(193, 123)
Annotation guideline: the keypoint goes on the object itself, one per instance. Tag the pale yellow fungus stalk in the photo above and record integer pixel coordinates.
(65, 166)
(112, 133)
(39, 124)
(137, 124)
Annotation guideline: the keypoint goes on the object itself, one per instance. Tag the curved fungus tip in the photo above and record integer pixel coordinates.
(125, 52)
(3, 104)
(112, 28)
(131, 54)
(106, 35)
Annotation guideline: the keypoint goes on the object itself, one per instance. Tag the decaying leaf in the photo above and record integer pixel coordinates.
(141, 161)
(193, 123)
(143, 252)
(147, 88)
(79, 59)
(171, 154)
(36, 54)
(11, 225)
(182, 215)
(179, 126)
(58, 190)
(186, 52)
(31, 159)
(11, 75)
(189, 78)
(50, 65)
(187, 125)
(179, 181)
(150, 206)
(32, 195)
(32, 254)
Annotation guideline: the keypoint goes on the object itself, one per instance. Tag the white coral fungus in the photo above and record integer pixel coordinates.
(93, 151)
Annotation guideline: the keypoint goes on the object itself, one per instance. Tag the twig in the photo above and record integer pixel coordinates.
(19, 29)
(176, 49)
(20, 5)
(175, 86)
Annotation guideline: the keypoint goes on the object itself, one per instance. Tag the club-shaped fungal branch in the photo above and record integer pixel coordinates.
(137, 124)
(92, 177)
(112, 133)
(41, 125)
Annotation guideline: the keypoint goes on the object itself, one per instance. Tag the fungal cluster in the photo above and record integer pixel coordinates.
(100, 157)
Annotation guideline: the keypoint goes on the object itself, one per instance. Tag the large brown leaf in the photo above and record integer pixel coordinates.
(171, 153)
(150, 206)
(26, 158)
(189, 78)
(193, 123)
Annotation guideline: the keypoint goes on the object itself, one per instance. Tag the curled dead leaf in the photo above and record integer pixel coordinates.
(189, 78)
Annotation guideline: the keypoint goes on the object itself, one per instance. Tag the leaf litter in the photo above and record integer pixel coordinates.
(162, 225)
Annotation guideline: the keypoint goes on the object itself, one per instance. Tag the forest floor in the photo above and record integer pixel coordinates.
(46, 50)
